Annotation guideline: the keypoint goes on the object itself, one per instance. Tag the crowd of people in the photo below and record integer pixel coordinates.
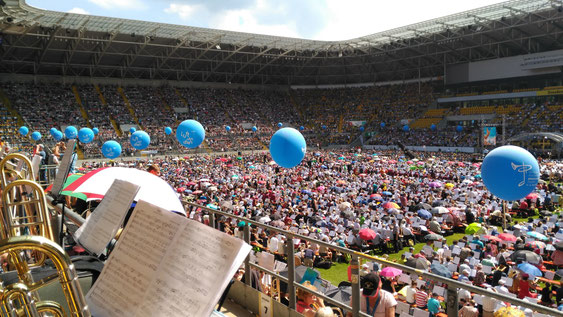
(335, 196)
(380, 203)
(328, 116)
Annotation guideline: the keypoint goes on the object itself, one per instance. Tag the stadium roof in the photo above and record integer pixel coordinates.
(49, 42)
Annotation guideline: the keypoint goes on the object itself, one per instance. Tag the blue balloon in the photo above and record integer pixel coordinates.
(362, 128)
(288, 147)
(140, 140)
(254, 129)
(433, 127)
(382, 124)
(36, 136)
(168, 130)
(132, 129)
(510, 172)
(324, 127)
(406, 128)
(23, 130)
(280, 124)
(96, 131)
(86, 135)
(52, 130)
(57, 135)
(190, 134)
(459, 128)
(301, 128)
(71, 132)
(111, 149)
(228, 128)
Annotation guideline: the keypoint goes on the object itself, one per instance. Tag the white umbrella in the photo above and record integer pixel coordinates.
(153, 189)
(345, 205)
(440, 210)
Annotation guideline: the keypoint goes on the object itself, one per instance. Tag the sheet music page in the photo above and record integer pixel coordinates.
(165, 265)
(64, 168)
(35, 162)
(102, 225)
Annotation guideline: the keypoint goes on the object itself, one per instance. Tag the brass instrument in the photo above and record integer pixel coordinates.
(25, 207)
(20, 170)
(20, 299)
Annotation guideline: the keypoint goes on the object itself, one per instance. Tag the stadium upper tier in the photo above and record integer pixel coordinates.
(328, 116)
(37, 41)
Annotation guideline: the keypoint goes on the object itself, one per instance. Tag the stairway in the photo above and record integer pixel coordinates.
(206, 147)
(182, 99)
(129, 107)
(260, 142)
(532, 114)
(296, 106)
(165, 104)
(79, 153)
(340, 123)
(105, 103)
(12, 110)
(81, 107)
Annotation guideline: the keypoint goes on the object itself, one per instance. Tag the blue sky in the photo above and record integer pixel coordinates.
(311, 19)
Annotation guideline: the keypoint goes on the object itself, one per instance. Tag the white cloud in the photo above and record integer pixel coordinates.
(245, 21)
(356, 18)
(78, 10)
(329, 20)
(184, 11)
(120, 4)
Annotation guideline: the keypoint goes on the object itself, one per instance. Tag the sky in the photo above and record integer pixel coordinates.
(329, 20)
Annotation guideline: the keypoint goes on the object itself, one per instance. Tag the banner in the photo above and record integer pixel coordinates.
(489, 135)
(357, 123)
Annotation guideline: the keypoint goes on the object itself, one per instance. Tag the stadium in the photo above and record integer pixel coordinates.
(425, 159)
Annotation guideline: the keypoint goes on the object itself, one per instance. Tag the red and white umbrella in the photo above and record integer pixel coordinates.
(153, 189)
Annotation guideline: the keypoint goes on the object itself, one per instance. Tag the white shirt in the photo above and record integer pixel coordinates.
(410, 294)
(502, 289)
(273, 244)
(489, 304)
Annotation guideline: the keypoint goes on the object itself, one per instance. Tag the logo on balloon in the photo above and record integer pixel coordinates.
(510, 172)
(186, 137)
(524, 168)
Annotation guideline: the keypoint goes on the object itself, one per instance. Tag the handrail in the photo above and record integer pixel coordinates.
(452, 285)
(69, 213)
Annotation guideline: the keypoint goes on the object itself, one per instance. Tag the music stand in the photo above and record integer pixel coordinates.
(60, 180)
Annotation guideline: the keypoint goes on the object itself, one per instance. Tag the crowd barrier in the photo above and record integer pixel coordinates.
(252, 301)
(451, 289)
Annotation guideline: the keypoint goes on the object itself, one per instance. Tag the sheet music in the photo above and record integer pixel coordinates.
(102, 225)
(64, 168)
(35, 162)
(165, 265)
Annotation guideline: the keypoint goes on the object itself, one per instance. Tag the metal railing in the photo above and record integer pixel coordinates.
(452, 285)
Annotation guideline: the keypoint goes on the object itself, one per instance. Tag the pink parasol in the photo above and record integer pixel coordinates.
(507, 237)
(367, 234)
(390, 272)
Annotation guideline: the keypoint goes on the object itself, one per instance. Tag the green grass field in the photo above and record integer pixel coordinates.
(339, 271)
